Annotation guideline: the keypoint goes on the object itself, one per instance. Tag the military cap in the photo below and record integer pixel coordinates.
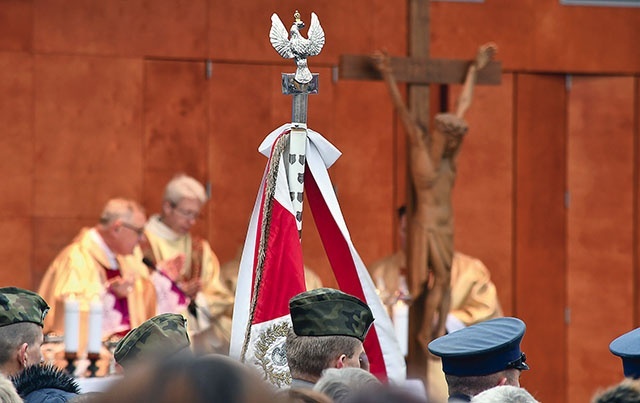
(627, 347)
(156, 338)
(329, 312)
(482, 349)
(18, 305)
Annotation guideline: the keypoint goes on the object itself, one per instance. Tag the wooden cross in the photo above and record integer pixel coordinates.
(418, 71)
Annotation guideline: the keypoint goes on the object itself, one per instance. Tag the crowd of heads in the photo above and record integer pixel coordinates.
(324, 349)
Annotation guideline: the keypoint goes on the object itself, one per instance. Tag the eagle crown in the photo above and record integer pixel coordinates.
(296, 46)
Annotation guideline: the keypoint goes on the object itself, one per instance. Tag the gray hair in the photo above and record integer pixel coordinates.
(340, 383)
(472, 385)
(504, 394)
(119, 209)
(12, 336)
(626, 391)
(183, 186)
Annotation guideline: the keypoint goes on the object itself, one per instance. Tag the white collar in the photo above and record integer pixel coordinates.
(160, 229)
(111, 257)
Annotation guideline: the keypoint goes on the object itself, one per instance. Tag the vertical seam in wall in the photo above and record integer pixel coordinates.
(514, 189)
(565, 265)
(143, 133)
(209, 151)
(209, 142)
(32, 213)
(636, 195)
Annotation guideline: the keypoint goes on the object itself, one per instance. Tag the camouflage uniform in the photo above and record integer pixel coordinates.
(18, 305)
(157, 338)
(22, 315)
(323, 319)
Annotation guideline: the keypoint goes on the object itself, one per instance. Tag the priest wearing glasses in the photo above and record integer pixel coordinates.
(192, 268)
(100, 265)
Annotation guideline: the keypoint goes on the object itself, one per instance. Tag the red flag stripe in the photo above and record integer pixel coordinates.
(343, 266)
(282, 276)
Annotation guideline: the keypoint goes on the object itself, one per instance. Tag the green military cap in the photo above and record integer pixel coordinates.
(156, 338)
(18, 305)
(329, 312)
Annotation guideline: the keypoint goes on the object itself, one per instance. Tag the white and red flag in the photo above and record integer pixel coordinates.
(271, 268)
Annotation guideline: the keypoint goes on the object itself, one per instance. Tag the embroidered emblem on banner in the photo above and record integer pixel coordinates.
(271, 354)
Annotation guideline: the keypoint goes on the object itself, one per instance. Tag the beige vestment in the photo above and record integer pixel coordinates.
(212, 330)
(79, 270)
(473, 299)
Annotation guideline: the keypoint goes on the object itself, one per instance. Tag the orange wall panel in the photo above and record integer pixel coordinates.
(540, 35)
(16, 25)
(353, 27)
(16, 250)
(389, 27)
(169, 28)
(575, 38)
(540, 230)
(600, 228)
(457, 29)
(16, 141)
(88, 125)
(175, 123)
(483, 194)
(176, 129)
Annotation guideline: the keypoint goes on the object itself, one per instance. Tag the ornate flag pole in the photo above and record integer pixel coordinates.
(271, 269)
(300, 85)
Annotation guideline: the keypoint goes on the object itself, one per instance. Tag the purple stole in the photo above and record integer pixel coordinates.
(196, 263)
(121, 304)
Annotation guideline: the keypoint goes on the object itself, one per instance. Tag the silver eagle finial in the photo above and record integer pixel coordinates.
(297, 47)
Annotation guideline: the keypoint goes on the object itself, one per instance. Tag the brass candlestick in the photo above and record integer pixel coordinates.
(93, 366)
(71, 358)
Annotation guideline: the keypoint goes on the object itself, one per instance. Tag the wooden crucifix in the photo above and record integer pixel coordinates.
(431, 167)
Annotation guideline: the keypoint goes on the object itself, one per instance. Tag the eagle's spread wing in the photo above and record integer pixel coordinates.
(279, 37)
(316, 36)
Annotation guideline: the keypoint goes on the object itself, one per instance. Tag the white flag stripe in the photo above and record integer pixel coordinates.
(243, 288)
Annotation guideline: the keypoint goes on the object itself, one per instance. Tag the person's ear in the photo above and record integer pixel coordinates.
(22, 356)
(502, 382)
(341, 360)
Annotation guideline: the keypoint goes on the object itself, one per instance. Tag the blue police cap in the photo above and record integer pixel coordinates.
(482, 349)
(627, 347)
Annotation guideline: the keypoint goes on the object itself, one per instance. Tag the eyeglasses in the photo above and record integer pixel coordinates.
(190, 215)
(137, 230)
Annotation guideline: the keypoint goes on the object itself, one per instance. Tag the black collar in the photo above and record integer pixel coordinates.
(459, 397)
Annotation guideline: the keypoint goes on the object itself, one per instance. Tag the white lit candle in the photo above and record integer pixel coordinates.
(400, 315)
(95, 326)
(71, 324)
